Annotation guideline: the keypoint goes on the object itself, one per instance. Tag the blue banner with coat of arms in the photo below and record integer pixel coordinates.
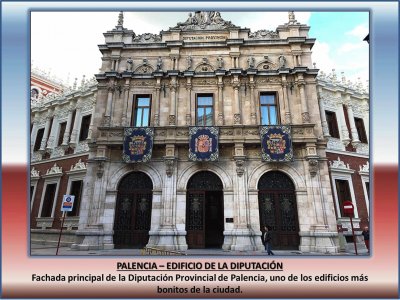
(138, 144)
(203, 143)
(276, 143)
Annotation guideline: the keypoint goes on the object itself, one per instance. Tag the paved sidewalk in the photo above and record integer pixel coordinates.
(37, 250)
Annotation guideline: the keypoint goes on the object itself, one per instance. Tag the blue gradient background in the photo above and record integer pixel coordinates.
(383, 80)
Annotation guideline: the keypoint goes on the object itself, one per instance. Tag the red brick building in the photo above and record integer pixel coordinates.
(344, 109)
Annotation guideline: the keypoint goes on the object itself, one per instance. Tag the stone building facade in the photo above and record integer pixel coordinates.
(60, 129)
(207, 71)
(345, 121)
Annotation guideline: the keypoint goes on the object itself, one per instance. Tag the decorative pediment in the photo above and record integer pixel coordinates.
(147, 38)
(204, 20)
(339, 164)
(263, 34)
(204, 67)
(364, 168)
(78, 166)
(144, 69)
(266, 64)
(54, 170)
(35, 173)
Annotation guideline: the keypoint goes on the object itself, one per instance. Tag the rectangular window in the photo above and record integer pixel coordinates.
(48, 200)
(343, 193)
(269, 109)
(32, 190)
(332, 124)
(84, 128)
(39, 137)
(367, 188)
(76, 190)
(204, 111)
(141, 114)
(61, 132)
(361, 130)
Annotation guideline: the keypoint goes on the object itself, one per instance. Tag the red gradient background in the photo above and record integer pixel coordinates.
(381, 268)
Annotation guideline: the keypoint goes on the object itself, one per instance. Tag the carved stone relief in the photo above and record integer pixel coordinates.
(147, 38)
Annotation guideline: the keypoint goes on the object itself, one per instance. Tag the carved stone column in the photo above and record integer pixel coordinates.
(68, 126)
(107, 114)
(90, 132)
(243, 237)
(188, 120)
(253, 113)
(168, 236)
(220, 101)
(75, 129)
(344, 131)
(46, 133)
(50, 141)
(172, 103)
(124, 121)
(354, 134)
(156, 119)
(237, 119)
(33, 133)
(324, 123)
(304, 108)
(322, 230)
(288, 115)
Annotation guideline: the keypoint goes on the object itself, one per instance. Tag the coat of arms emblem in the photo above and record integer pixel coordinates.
(137, 145)
(276, 144)
(203, 144)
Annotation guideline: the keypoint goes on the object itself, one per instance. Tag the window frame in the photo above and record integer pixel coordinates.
(204, 107)
(135, 108)
(46, 183)
(34, 183)
(276, 105)
(35, 148)
(334, 133)
(61, 133)
(360, 127)
(81, 128)
(345, 175)
(78, 201)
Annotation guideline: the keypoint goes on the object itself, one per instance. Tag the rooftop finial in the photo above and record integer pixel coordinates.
(121, 19)
(292, 18)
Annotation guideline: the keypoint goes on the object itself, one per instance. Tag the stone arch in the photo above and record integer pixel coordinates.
(191, 170)
(266, 64)
(144, 69)
(118, 174)
(204, 67)
(293, 174)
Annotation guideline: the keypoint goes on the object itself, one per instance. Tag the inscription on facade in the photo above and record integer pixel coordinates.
(197, 38)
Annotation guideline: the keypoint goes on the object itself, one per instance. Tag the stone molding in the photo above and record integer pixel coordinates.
(294, 175)
(189, 171)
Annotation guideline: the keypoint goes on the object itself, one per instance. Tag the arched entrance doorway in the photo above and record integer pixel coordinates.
(204, 211)
(133, 211)
(278, 209)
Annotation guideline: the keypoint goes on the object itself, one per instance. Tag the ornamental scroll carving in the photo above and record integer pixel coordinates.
(147, 38)
(269, 80)
(204, 82)
(263, 34)
(313, 167)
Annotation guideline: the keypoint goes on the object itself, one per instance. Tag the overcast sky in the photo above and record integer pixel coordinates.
(66, 43)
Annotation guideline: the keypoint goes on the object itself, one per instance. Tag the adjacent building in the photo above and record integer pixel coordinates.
(60, 130)
(205, 73)
(345, 122)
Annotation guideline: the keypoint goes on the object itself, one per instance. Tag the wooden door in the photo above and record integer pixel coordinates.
(195, 226)
(278, 210)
